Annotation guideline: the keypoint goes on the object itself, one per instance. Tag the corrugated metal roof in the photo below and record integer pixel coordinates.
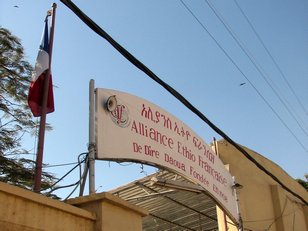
(170, 209)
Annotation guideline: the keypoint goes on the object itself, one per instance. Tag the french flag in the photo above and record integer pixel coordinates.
(36, 90)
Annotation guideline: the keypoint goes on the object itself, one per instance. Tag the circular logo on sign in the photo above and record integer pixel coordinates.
(120, 116)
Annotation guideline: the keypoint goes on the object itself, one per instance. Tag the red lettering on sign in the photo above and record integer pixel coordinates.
(174, 162)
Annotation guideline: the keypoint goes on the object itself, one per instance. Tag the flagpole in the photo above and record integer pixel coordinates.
(41, 138)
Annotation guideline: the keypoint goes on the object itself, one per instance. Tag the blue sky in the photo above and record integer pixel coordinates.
(168, 39)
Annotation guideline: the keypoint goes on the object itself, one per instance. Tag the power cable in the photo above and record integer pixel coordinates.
(85, 160)
(83, 176)
(254, 62)
(90, 23)
(61, 187)
(65, 175)
(239, 69)
(59, 165)
(271, 56)
(76, 186)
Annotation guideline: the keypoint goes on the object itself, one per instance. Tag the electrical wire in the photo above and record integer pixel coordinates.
(83, 176)
(59, 165)
(97, 29)
(61, 187)
(256, 65)
(76, 186)
(65, 175)
(278, 217)
(271, 57)
(80, 162)
(245, 76)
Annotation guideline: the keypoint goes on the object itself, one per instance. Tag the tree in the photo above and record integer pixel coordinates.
(304, 183)
(16, 119)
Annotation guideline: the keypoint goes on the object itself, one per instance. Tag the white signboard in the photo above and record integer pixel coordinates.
(138, 130)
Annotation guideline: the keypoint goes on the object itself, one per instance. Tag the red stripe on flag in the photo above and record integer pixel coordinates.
(35, 96)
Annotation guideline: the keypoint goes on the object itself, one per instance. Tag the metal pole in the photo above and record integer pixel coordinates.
(41, 138)
(240, 222)
(91, 147)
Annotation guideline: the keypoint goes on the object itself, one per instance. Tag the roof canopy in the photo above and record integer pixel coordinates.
(170, 209)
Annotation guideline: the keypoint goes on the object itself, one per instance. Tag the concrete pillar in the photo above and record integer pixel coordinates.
(112, 213)
(305, 208)
(224, 222)
(279, 207)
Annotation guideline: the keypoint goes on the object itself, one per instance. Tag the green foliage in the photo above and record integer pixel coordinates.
(304, 183)
(15, 76)
(16, 119)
